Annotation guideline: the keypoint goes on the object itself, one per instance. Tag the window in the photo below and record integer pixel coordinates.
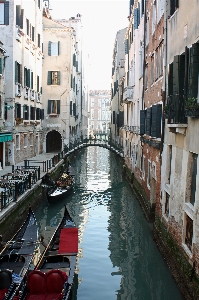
(154, 18)
(31, 139)
(27, 27)
(18, 73)
(92, 102)
(53, 48)
(26, 77)
(17, 110)
(26, 112)
(99, 102)
(38, 40)
(17, 141)
(25, 140)
(152, 69)
(166, 210)
(193, 177)
(32, 113)
(53, 78)
(4, 13)
(146, 78)
(173, 6)
(189, 232)
(149, 174)
(19, 16)
(169, 162)
(33, 33)
(38, 113)
(37, 83)
(53, 107)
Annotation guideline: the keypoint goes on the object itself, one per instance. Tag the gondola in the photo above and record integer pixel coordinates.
(17, 255)
(53, 275)
(62, 188)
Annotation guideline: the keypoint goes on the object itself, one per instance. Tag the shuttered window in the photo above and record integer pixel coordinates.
(53, 107)
(148, 121)
(53, 78)
(1, 65)
(42, 114)
(38, 113)
(136, 18)
(18, 15)
(74, 109)
(18, 72)
(126, 46)
(71, 108)
(142, 122)
(121, 119)
(113, 117)
(193, 177)
(31, 81)
(193, 70)
(17, 110)
(26, 112)
(32, 113)
(37, 84)
(156, 118)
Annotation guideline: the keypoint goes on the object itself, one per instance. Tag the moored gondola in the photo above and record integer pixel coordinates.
(62, 188)
(53, 276)
(17, 255)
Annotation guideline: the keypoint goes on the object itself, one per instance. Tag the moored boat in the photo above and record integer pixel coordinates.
(53, 275)
(17, 255)
(63, 187)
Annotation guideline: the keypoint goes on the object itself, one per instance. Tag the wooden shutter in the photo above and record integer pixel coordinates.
(58, 47)
(176, 75)
(193, 178)
(138, 13)
(113, 117)
(42, 114)
(6, 12)
(49, 107)
(170, 80)
(142, 122)
(71, 81)
(49, 48)
(37, 84)
(33, 33)
(1, 65)
(58, 107)
(49, 79)
(194, 70)
(18, 110)
(37, 113)
(28, 78)
(136, 18)
(31, 80)
(74, 109)
(25, 70)
(21, 18)
(16, 71)
(126, 46)
(71, 108)
(58, 77)
(18, 15)
(121, 119)
(148, 121)
(156, 120)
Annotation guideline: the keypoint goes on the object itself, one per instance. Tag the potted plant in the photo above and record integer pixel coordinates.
(191, 107)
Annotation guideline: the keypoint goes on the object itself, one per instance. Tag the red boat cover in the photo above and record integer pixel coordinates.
(68, 240)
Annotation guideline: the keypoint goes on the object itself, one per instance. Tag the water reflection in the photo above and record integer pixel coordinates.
(117, 258)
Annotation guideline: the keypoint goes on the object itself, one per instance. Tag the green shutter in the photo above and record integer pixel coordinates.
(20, 74)
(49, 110)
(25, 76)
(49, 48)
(58, 77)
(194, 70)
(58, 47)
(16, 72)
(6, 12)
(58, 107)
(156, 120)
(21, 18)
(31, 80)
(142, 122)
(1, 65)
(148, 121)
(71, 81)
(49, 79)
(28, 78)
(176, 75)
(18, 15)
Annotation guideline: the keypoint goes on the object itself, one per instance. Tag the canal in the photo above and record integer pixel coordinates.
(118, 258)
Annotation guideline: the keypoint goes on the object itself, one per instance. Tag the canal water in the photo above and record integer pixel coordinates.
(118, 258)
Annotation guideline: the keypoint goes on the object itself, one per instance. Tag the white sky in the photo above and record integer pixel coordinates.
(101, 20)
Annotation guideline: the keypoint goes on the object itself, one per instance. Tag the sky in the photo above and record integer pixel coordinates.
(101, 20)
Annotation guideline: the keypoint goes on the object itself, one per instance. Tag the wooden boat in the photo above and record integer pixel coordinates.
(53, 276)
(17, 255)
(63, 187)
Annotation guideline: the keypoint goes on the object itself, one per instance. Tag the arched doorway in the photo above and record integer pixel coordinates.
(53, 141)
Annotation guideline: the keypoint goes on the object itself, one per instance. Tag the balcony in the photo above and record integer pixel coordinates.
(132, 129)
(128, 94)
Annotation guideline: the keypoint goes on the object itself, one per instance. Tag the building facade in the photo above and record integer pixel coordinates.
(21, 33)
(99, 111)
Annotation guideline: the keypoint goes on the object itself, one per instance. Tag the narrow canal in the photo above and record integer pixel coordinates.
(117, 258)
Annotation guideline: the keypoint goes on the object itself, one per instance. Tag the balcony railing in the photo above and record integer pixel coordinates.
(128, 94)
(175, 112)
(133, 129)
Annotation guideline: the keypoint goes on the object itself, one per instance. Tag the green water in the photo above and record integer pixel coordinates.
(117, 258)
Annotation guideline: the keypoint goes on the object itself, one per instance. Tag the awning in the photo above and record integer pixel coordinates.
(5, 137)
